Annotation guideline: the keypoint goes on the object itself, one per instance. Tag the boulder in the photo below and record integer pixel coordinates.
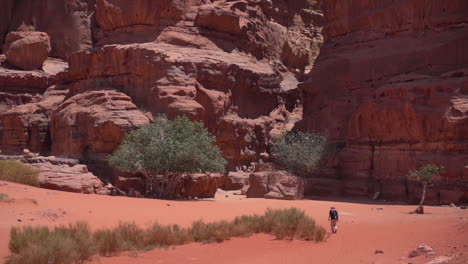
(70, 27)
(275, 185)
(64, 177)
(420, 250)
(27, 50)
(236, 180)
(201, 185)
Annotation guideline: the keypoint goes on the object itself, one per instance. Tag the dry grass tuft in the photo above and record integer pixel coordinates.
(77, 244)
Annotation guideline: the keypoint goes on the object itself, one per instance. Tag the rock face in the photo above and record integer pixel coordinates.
(27, 50)
(70, 27)
(390, 87)
(92, 124)
(27, 126)
(208, 60)
(275, 185)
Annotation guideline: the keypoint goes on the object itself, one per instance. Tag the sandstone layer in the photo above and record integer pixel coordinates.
(390, 89)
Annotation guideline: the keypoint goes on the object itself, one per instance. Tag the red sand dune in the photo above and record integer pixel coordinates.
(362, 229)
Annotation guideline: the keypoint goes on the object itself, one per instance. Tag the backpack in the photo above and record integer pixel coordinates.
(334, 214)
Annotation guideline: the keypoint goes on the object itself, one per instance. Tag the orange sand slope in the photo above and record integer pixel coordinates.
(362, 228)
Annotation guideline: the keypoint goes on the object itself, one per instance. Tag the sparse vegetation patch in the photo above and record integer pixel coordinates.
(15, 171)
(77, 244)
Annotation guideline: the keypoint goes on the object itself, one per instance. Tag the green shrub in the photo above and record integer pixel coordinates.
(15, 171)
(165, 149)
(299, 152)
(77, 244)
(424, 175)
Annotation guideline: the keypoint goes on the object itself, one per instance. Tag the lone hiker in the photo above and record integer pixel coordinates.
(333, 218)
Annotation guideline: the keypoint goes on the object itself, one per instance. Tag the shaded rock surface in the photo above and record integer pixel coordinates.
(27, 50)
(275, 185)
(388, 110)
(236, 180)
(70, 27)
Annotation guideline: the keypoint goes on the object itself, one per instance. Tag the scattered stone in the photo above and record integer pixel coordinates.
(440, 260)
(430, 254)
(420, 250)
(376, 195)
(168, 204)
(19, 220)
(462, 207)
(32, 219)
(452, 205)
(378, 251)
(226, 196)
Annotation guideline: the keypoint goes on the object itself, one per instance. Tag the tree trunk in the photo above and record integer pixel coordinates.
(423, 195)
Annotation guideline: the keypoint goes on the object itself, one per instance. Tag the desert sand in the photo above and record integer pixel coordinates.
(363, 228)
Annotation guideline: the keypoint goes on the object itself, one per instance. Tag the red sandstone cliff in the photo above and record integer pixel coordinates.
(234, 65)
(390, 87)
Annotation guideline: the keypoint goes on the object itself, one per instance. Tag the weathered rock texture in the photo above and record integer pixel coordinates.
(62, 174)
(275, 185)
(93, 123)
(27, 50)
(67, 178)
(209, 60)
(69, 23)
(390, 88)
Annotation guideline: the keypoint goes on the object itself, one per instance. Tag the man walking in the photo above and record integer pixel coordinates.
(333, 218)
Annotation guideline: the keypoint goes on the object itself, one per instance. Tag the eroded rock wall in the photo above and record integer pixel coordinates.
(390, 89)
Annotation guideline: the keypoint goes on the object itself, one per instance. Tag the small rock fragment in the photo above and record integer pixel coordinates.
(378, 251)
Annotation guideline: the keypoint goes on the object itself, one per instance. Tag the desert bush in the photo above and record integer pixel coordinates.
(37, 245)
(162, 151)
(76, 243)
(15, 171)
(299, 152)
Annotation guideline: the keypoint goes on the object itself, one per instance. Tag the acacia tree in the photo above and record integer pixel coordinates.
(164, 150)
(424, 175)
(299, 152)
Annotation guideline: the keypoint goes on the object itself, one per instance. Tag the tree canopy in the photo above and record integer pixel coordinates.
(299, 152)
(178, 146)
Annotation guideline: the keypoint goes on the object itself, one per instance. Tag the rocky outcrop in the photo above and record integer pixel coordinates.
(27, 126)
(67, 178)
(389, 87)
(27, 50)
(218, 88)
(275, 185)
(92, 124)
(236, 180)
(62, 174)
(25, 98)
(201, 185)
(70, 27)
